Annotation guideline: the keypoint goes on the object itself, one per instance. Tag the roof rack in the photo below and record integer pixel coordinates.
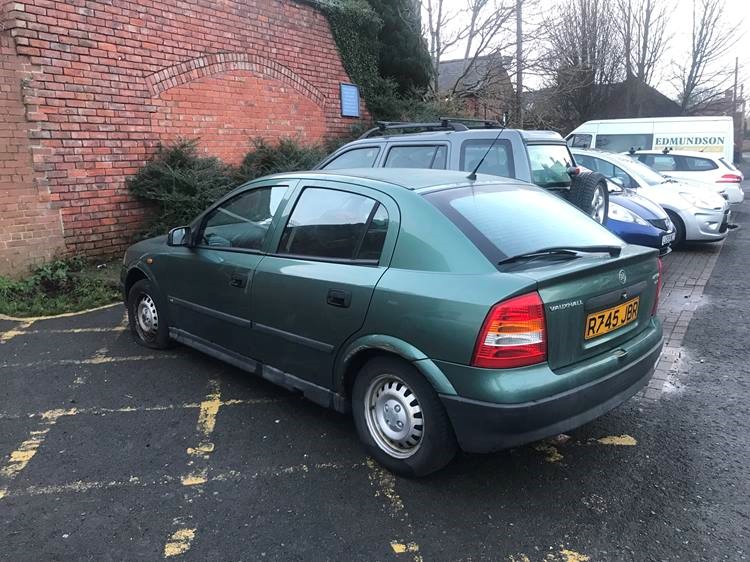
(442, 125)
(488, 123)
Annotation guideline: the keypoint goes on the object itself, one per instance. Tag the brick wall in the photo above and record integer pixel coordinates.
(110, 80)
(30, 229)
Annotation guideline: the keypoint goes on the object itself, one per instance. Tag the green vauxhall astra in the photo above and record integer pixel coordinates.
(442, 311)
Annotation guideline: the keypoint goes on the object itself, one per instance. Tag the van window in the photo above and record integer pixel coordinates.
(623, 143)
(363, 157)
(579, 141)
(499, 160)
(428, 156)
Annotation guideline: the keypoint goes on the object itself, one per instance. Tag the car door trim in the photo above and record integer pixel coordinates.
(294, 338)
(313, 392)
(211, 312)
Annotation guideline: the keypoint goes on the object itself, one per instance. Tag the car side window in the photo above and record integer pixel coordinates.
(695, 164)
(428, 156)
(363, 157)
(242, 221)
(336, 225)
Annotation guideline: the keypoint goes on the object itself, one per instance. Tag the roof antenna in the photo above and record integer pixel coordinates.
(473, 175)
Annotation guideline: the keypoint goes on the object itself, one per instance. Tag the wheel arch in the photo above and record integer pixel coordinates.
(136, 273)
(361, 350)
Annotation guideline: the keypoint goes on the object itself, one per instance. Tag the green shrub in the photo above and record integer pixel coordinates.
(181, 183)
(59, 286)
(286, 156)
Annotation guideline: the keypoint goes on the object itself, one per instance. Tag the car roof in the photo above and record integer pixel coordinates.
(696, 153)
(413, 179)
(528, 136)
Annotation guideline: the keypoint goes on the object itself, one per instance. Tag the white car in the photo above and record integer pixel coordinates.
(703, 167)
(699, 215)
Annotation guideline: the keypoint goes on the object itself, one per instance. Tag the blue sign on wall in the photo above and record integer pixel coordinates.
(349, 100)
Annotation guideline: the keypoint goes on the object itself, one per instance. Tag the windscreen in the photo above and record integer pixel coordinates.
(509, 220)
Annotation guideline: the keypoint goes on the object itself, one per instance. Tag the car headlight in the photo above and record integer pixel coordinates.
(619, 213)
(703, 201)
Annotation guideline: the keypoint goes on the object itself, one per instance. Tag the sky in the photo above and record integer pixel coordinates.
(679, 27)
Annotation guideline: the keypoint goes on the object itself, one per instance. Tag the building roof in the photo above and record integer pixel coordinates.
(473, 75)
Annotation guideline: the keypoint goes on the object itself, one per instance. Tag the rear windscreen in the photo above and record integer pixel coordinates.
(509, 220)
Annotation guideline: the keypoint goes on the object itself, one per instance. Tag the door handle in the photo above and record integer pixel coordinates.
(337, 297)
(237, 280)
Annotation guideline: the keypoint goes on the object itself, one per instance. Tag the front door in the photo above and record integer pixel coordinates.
(209, 285)
(313, 292)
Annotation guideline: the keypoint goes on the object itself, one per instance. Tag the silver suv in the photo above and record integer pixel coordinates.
(538, 157)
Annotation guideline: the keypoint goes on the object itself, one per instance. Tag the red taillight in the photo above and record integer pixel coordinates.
(729, 178)
(658, 287)
(514, 334)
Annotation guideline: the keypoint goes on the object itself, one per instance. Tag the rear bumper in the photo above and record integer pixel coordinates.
(482, 427)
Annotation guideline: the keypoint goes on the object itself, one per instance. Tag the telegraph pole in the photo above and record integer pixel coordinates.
(519, 57)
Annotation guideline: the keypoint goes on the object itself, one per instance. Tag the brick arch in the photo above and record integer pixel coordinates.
(208, 65)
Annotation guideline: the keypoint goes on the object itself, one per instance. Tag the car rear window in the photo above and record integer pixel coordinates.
(728, 164)
(694, 164)
(509, 220)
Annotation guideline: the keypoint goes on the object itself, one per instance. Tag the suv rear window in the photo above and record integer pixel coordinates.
(508, 220)
(499, 160)
(355, 158)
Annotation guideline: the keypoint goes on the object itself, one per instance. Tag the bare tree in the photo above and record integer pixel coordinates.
(584, 58)
(703, 77)
(478, 25)
(643, 25)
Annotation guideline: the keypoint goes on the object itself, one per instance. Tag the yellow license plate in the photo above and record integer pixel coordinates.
(605, 321)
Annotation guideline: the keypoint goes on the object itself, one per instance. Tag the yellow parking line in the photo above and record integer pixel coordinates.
(96, 360)
(21, 457)
(77, 330)
(182, 539)
(179, 542)
(385, 487)
(52, 317)
(232, 476)
(622, 440)
(15, 331)
(158, 408)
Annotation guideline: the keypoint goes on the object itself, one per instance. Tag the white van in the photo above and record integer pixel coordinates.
(699, 134)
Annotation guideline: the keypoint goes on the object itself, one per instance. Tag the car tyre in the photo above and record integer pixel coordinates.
(589, 192)
(147, 315)
(400, 418)
(679, 229)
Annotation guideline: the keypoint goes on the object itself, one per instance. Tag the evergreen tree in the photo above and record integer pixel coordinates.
(403, 54)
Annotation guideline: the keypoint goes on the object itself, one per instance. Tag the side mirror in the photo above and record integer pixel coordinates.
(616, 185)
(179, 236)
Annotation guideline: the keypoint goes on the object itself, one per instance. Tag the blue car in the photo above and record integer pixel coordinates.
(638, 220)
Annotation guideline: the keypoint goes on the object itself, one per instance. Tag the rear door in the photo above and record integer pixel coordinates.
(313, 291)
